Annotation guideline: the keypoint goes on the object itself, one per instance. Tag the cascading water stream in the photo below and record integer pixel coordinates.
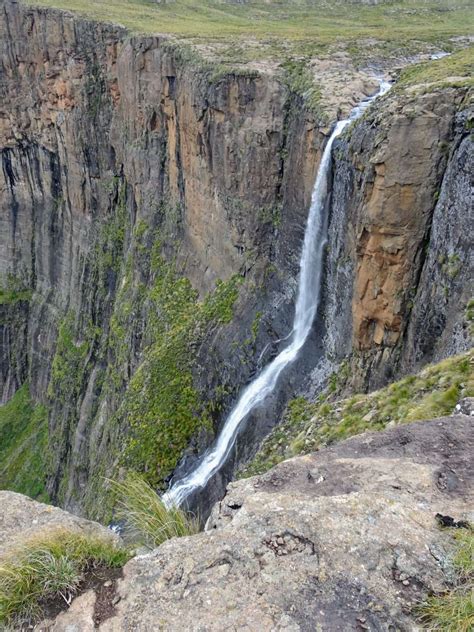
(305, 311)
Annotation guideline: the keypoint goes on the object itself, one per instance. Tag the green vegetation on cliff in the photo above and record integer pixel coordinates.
(127, 363)
(307, 426)
(162, 406)
(14, 291)
(68, 363)
(23, 445)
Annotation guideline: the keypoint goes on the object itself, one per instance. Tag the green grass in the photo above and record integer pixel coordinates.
(325, 21)
(453, 611)
(14, 291)
(307, 426)
(147, 520)
(304, 26)
(162, 407)
(23, 445)
(49, 565)
(456, 70)
(11, 296)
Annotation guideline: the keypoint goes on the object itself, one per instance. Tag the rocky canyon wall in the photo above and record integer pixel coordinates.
(399, 275)
(152, 212)
(134, 181)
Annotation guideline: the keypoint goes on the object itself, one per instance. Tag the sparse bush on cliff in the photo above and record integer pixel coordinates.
(49, 565)
(146, 517)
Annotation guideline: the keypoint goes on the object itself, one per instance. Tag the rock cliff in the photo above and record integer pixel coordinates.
(152, 212)
(132, 180)
(399, 268)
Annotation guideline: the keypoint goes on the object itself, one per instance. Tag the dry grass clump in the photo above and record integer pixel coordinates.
(146, 517)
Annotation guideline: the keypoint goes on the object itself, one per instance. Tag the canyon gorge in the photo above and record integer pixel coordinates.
(153, 208)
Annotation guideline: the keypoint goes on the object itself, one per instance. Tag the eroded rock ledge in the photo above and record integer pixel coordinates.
(343, 539)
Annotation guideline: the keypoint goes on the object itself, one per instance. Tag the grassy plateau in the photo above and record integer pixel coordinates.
(258, 29)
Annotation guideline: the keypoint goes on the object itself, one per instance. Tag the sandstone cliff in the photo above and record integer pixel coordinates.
(125, 164)
(135, 178)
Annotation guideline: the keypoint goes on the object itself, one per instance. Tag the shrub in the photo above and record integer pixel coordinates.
(147, 519)
(49, 565)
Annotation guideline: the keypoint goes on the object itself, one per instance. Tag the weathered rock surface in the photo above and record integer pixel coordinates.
(400, 272)
(343, 539)
(22, 517)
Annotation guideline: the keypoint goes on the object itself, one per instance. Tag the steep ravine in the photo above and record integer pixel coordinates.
(128, 169)
(133, 180)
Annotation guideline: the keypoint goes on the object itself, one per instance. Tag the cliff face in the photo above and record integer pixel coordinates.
(128, 169)
(133, 180)
(400, 266)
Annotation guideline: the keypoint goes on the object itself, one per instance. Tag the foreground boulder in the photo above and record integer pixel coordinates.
(22, 517)
(343, 539)
(347, 538)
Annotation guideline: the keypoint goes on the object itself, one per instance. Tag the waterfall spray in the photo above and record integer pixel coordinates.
(305, 311)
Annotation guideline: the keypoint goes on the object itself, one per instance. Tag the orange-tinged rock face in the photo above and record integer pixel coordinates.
(393, 217)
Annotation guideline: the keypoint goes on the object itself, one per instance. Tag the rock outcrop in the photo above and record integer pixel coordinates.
(22, 517)
(400, 271)
(343, 539)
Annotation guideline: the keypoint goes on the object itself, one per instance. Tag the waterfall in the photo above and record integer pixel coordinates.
(305, 310)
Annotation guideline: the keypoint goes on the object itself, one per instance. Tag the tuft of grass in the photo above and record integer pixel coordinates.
(453, 611)
(147, 519)
(307, 426)
(463, 560)
(49, 565)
